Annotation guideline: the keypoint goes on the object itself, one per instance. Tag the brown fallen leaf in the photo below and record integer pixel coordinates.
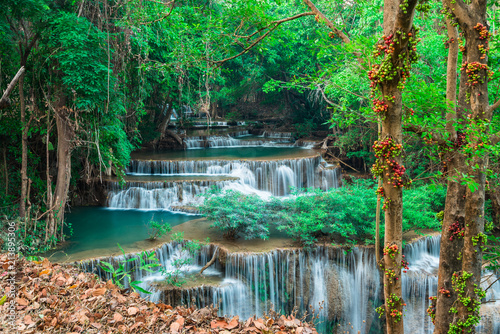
(21, 301)
(132, 311)
(46, 263)
(174, 327)
(27, 320)
(99, 292)
(218, 323)
(233, 323)
(45, 272)
(117, 317)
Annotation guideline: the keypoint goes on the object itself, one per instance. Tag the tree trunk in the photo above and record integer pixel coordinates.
(473, 23)
(64, 145)
(166, 119)
(24, 154)
(398, 51)
(454, 214)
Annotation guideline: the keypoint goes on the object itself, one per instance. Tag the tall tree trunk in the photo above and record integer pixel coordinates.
(166, 119)
(24, 154)
(398, 51)
(472, 21)
(64, 145)
(454, 213)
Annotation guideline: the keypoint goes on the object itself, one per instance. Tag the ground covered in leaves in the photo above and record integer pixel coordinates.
(53, 298)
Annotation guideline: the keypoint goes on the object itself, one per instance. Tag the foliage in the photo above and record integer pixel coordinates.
(234, 213)
(346, 214)
(157, 229)
(121, 273)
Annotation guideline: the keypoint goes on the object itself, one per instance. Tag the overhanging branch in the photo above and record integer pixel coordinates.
(5, 101)
(271, 26)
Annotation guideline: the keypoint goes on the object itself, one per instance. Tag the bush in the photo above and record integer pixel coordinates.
(346, 214)
(234, 213)
(157, 229)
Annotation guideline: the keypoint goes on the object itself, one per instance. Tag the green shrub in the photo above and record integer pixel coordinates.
(157, 229)
(346, 214)
(234, 213)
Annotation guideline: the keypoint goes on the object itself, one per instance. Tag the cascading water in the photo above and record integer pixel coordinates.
(345, 284)
(268, 134)
(158, 195)
(419, 283)
(339, 287)
(274, 176)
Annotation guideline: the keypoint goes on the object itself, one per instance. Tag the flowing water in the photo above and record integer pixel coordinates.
(172, 180)
(341, 288)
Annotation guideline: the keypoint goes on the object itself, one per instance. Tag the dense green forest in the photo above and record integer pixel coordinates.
(403, 95)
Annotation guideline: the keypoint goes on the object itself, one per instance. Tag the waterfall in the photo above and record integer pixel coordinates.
(229, 141)
(420, 282)
(345, 284)
(158, 195)
(270, 176)
(339, 287)
(277, 135)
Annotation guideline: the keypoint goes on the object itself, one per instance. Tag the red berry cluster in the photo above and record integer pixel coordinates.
(404, 264)
(460, 140)
(445, 292)
(379, 106)
(387, 46)
(386, 150)
(484, 34)
(431, 310)
(380, 191)
(391, 250)
(473, 72)
(448, 42)
(456, 230)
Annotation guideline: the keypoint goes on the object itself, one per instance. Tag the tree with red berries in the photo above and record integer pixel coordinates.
(461, 261)
(398, 51)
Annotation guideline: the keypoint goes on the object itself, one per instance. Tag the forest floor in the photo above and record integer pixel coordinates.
(58, 298)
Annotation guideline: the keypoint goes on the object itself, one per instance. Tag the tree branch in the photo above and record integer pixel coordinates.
(494, 106)
(171, 4)
(417, 129)
(460, 10)
(5, 101)
(328, 23)
(209, 263)
(272, 26)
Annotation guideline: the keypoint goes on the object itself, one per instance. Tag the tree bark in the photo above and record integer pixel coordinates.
(454, 214)
(166, 119)
(64, 144)
(24, 154)
(473, 23)
(398, 51)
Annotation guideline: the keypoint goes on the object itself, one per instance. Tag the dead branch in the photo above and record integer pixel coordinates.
(5, 101)
(209, 263)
